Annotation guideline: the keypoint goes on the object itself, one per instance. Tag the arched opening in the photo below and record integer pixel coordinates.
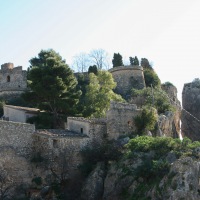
(8, 78)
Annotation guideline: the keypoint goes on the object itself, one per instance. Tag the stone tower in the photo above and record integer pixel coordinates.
(13, 80)
(128, 77)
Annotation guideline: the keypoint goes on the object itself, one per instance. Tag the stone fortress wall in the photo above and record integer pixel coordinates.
(17, 136)
(13, 80)
(128, 77)
(120, 119)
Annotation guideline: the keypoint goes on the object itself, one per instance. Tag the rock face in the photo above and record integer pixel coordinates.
(182, 182)
(93, 188)
(174, 120)
(191, 104)
(168, 125)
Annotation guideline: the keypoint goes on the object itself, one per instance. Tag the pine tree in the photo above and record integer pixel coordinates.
(52, 84)
(136, 61)
(117, 60)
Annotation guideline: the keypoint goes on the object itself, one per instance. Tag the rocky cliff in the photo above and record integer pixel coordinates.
(191, 104)
(149, 174)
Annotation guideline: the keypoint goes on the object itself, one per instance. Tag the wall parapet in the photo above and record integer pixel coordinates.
(127, 67)
(123, 106)
(89, 120)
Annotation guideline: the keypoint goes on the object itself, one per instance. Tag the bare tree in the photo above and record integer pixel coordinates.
(81, 62)
(100, 58)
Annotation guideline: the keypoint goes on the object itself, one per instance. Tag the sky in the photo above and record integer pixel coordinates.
(166, 32)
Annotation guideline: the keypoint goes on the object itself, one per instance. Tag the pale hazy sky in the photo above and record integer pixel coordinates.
(167, 32)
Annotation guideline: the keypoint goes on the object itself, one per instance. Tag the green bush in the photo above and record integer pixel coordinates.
(146, 120)
(161, 145)
(151, 78)
(154, 165)
(161, 101)
(167, 84)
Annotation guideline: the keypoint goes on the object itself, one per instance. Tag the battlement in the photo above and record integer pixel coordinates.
(13, 80)
(7, 66)
(127, 67)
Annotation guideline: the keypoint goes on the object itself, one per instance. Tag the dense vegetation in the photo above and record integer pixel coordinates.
(156, 98)
(154, 152)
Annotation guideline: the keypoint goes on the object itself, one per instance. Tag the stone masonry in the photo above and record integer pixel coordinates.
(128, 77)
(13, 80)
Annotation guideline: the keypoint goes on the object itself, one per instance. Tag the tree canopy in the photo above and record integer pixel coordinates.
(99, 94)
(117, 60)
(52, 84)
(134, 61)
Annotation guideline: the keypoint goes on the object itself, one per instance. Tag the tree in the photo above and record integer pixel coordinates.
(81, 62)
(53, 85)
(99, 57)
(117, 60)
(99, 94)
(145, 63)
(136, 61)
(131, 60)
(93, 69)
(151, 78)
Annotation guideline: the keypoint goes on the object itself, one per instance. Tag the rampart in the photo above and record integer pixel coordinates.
(128, 77)
(18, 136)
(120, 119)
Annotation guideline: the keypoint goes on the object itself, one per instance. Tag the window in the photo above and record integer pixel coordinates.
(81, 130)
(8, 78)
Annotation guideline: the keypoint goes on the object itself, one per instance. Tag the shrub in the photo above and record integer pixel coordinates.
(146, 120)
(167, 84)
(161, 145)
(161, 102)
(151, 78)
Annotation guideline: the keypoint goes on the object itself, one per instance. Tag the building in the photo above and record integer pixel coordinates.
(19, 114)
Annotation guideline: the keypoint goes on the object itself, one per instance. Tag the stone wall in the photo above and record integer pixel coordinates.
(13, 80)
(128, 77)
(17, 135)
(120, 119)
(95, 129)
(191, 103)
(51, 145)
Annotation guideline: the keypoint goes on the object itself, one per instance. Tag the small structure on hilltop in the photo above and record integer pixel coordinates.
(128, 77)
(13, 81)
